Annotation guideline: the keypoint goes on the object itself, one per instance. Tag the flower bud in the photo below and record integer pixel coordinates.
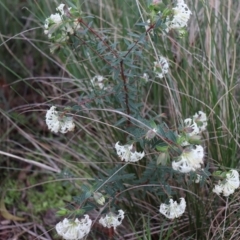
(99, 198)
(62, 212)
(163, 158)
(151, 134)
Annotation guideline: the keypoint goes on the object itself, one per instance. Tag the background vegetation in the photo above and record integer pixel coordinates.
(42, 172)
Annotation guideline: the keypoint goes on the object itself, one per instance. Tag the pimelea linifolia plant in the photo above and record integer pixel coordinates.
(178, 151)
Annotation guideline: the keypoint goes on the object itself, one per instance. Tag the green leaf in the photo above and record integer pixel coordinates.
(162, 148)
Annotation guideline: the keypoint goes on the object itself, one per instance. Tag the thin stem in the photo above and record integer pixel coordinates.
(89, 100)
(114, 52)
(136, 42)
(84, 42)
(147, 32)
(111, 176)
(126, 90)
(225, 217)
(154, 185)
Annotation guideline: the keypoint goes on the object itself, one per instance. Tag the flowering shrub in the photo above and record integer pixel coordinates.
(170, 155)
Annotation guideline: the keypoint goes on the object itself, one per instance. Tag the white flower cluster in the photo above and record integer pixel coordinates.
(112, 220)
(173, 209)
(55, 22)
(180, 18)
(126, 154)
(98, 81)
(194, 126)
(191, 127)
(74, 230)
(201, 119)
(190, 160)
(58, 123)
(161, 67)
(228, 185)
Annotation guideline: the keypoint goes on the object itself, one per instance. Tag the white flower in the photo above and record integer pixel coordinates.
(191, 128)
(228, 185)
(55, 22)
(218, 188)
(58, 123)
(145, 77)
(147, 25)
(201, 119)
(190, 160)
(233, 178)
(98, 81)
(125, 153)
(198, 179)
(60, 8)
(181, 16)
(194, 126)
(185, 143)
(161, 67)
(182, 165)
(53, 19)
(173, 209)
(194, 156)
(200, 116)
(112, 220)
(74, 230)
